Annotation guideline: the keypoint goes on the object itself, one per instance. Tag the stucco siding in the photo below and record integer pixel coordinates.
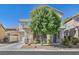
(2, 33)
(13, 38)
(29, 35)
(12, 35)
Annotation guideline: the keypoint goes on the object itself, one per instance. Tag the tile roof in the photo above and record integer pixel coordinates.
(70, 18)
(2, 26)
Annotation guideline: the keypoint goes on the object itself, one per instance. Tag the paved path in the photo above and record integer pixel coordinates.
(32, 49)
(12, 46)
(17, 47)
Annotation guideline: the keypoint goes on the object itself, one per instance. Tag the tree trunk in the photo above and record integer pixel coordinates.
(48, 38)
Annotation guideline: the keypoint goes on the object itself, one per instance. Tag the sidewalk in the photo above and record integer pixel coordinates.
(34, 47)
(3, 44)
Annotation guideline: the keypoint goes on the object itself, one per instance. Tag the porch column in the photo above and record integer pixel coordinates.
(23, 34)
(76, 33)
(48, 38)
(61, 35)
(30, 37)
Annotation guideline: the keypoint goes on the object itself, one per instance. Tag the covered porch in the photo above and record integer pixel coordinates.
(73, 32)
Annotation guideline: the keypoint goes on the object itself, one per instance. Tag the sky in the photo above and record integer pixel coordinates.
(10, 14)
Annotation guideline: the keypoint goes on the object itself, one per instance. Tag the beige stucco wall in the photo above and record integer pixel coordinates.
(2, 33)
(13, 35)
(13, 38)
(70, 24)
(12, 32)
(29, 35)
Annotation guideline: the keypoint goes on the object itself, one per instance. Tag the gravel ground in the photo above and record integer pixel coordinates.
(38, 47)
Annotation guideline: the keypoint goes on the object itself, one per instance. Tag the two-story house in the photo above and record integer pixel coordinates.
(72, 26)
(30, 37)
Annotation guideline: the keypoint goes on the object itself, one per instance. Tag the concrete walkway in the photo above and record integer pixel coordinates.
(17, 47)
(12, 46)
(36, 49)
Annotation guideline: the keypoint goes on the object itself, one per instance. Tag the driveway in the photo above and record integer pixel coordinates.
(11, 46)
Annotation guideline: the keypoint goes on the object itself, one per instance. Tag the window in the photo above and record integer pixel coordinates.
(77, 18)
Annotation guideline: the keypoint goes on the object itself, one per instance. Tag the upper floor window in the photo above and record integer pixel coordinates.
(24, 25)
(77, 18)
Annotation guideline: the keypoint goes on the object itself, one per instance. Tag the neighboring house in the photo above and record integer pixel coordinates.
(72, 26)
(12, 35)
(25, 26)
(2, 33)
(31, 37)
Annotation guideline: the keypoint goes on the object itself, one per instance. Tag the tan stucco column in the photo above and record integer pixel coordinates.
(76, 33)
(61, 35)
(30, 38)
(48, 38)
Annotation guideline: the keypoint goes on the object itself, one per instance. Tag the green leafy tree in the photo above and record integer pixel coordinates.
(45, 20)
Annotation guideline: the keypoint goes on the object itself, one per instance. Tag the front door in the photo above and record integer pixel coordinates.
(54, 38)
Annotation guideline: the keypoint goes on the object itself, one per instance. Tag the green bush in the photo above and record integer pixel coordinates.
(75, 41)
(38, 41)
(69, 41)
(65, 42)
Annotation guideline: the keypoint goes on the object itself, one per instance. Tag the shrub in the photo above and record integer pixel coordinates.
(75, 41)
(69, 41)
(38, 41)
(6, 39)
